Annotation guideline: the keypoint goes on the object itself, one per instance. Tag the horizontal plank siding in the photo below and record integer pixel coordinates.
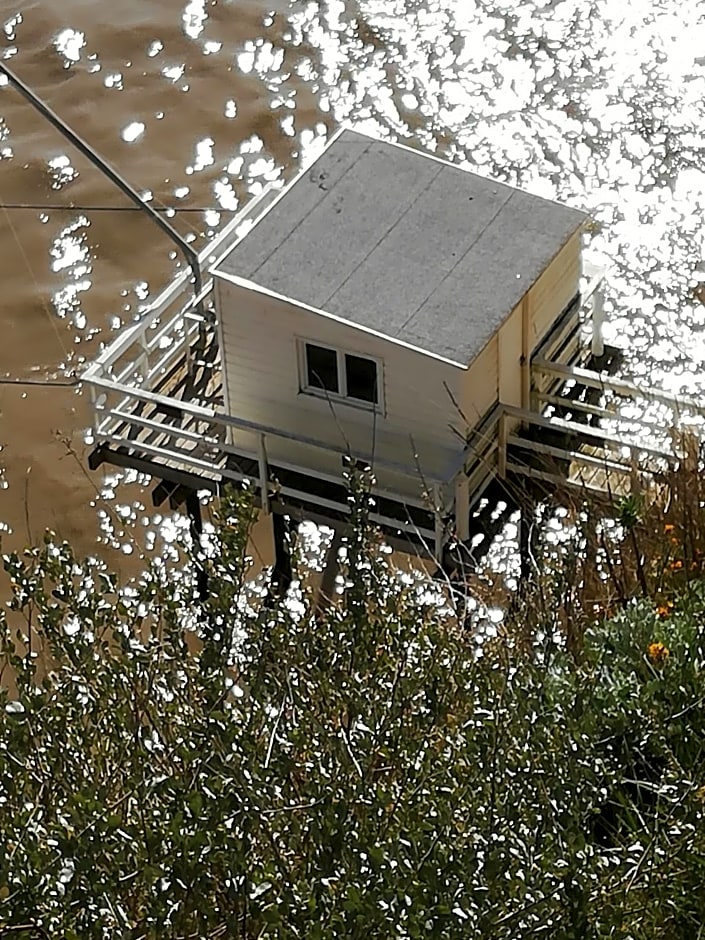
(555, 289)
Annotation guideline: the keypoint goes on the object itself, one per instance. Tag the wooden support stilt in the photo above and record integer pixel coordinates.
(282, 572)
(97, 457)
(326, 592)
(193, 508)
(462, 508)
(502, 446)
(263, 474)
(526, 520)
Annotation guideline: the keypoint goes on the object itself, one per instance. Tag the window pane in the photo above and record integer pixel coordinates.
(321, 368)
(361, 378)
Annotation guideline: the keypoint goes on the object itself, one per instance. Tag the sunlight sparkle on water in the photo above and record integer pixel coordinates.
(194, 18)
(132, 131)
(599, 105)
(70, 253)
(246, 59)
(113, 80)
(67, 252)
(173, 72)
(69, 43)
(61, 170)
(204, 155)
(10, 25)
(226, 195)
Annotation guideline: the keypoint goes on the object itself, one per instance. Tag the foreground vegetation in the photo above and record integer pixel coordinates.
(381, 768)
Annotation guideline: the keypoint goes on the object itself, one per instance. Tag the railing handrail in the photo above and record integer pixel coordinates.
(205, 413)
(585, 430)
(132, 333)
(602, 380)
(594, 275)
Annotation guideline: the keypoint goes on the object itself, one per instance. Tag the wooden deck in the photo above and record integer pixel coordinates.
(159, 407)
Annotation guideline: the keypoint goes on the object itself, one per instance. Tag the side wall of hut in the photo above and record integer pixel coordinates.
(262, 338)
(531, 320)
(555, 289)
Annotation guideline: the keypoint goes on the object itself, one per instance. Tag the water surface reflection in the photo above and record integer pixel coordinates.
(598, 103)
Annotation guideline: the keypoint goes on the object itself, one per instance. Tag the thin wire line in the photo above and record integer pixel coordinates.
(45, 307)
(46, 383)
(161, 206)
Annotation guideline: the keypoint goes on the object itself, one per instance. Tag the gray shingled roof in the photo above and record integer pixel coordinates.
(408, 245)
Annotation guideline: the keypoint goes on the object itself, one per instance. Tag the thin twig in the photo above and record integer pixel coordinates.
(272, 736)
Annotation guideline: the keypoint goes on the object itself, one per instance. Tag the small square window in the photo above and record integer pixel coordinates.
(342, 375)
(322, 368)
(361, 378)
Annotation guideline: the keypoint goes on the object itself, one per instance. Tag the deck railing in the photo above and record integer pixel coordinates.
(156, 391)
(631, 433)
(174, 316)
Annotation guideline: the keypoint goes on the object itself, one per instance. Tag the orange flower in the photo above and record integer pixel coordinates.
(658, 653)
(668, 527)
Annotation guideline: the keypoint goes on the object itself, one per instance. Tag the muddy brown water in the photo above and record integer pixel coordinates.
(597, 103)
(48, 325)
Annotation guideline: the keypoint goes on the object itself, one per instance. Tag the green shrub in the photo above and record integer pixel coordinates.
(357, 772)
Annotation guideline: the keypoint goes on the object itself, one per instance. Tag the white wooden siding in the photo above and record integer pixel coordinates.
(554, 290)
(260, 333)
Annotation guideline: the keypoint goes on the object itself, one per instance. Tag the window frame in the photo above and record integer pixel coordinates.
(341, 395)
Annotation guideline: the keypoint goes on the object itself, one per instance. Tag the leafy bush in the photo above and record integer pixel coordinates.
(369, 770)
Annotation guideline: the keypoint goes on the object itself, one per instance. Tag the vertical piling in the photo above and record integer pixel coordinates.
(193, 508)
(282, 573)
(326, 592)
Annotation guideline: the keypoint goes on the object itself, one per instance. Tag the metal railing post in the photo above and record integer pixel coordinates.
(94, 414)
(263, 474)
(598, 319)
(634, 483)
(502, 446)
(439, 528)
(462, 507)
